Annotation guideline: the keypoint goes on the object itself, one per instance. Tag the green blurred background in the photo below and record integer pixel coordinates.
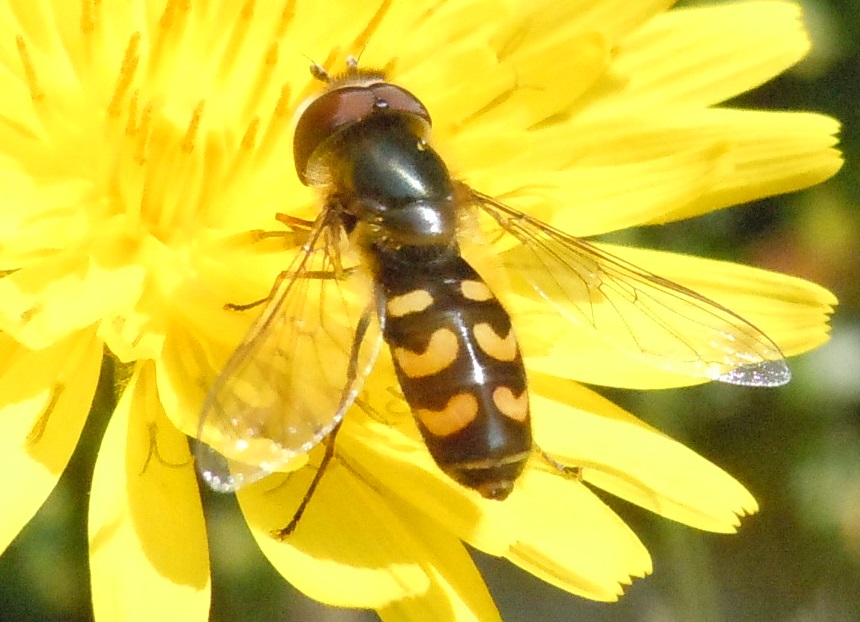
(797, 448)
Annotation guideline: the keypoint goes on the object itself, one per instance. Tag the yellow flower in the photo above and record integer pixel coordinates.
(145, 145)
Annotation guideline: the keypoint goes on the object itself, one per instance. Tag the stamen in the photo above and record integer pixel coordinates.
(126, 75)
(174, 180)
(494, 103)
(243, 153)
(427, 14)
(264, 76)
(237, 38)
(38, 430)
(36, 92)
(170, 23)
(143, 134)
(365, 35)
(88, 16)
(274, 130)
(28, 314)
(187, 144)
(154, 452)
(250, 135)
(173, 9)
(286, 18)
(131, 121)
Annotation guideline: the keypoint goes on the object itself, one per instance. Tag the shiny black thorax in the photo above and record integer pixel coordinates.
(394, 184)
(398, 203)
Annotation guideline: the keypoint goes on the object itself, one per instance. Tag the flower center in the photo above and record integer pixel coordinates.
(166, 121)
(180, 154)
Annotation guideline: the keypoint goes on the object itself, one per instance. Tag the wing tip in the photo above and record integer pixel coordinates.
(221, 483)
(774, 373)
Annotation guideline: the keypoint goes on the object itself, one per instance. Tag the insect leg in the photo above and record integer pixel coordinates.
(231, 306)
(574, 472)
(360, 332)
(310, 274)
(282, 534)
(294, 223)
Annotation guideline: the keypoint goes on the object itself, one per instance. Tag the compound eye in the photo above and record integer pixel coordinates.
(396, 99)
(343, 106)
(324, 117)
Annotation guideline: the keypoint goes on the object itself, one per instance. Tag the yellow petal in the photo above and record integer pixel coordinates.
(200, 334)
(46, 395)
(349, 537)
(579, 39)
(570, 538)
(38, 219)
(769, 153)
(47, 300)
(534, 97)
(702, 56)
(504, 81)
(630, 460)
(753, 154)
(612, 197)
(453, 108)
(147, 537)
(565, 20)
(376, 555)
(457, 591)
(455, 28)
(652, 169)
(184, 374)
(388, 453)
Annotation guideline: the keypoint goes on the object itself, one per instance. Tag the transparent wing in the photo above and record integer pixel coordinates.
(298, 369)
(665, 323)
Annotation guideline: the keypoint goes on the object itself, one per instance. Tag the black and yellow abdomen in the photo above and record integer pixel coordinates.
(460, 368)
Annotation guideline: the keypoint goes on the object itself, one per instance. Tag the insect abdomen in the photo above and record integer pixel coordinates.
(460, 369)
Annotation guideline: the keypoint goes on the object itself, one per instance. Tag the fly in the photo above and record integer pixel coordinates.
(383, 264)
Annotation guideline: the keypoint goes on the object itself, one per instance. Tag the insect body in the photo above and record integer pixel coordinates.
(389, 196)
(452, 343)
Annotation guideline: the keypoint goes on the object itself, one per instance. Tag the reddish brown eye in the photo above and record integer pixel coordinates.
(400, 100)
(337, 109)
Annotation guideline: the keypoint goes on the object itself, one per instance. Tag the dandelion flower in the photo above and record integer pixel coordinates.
(146, 146)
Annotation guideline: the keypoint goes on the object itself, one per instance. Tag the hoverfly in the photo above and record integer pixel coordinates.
(383, 262)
